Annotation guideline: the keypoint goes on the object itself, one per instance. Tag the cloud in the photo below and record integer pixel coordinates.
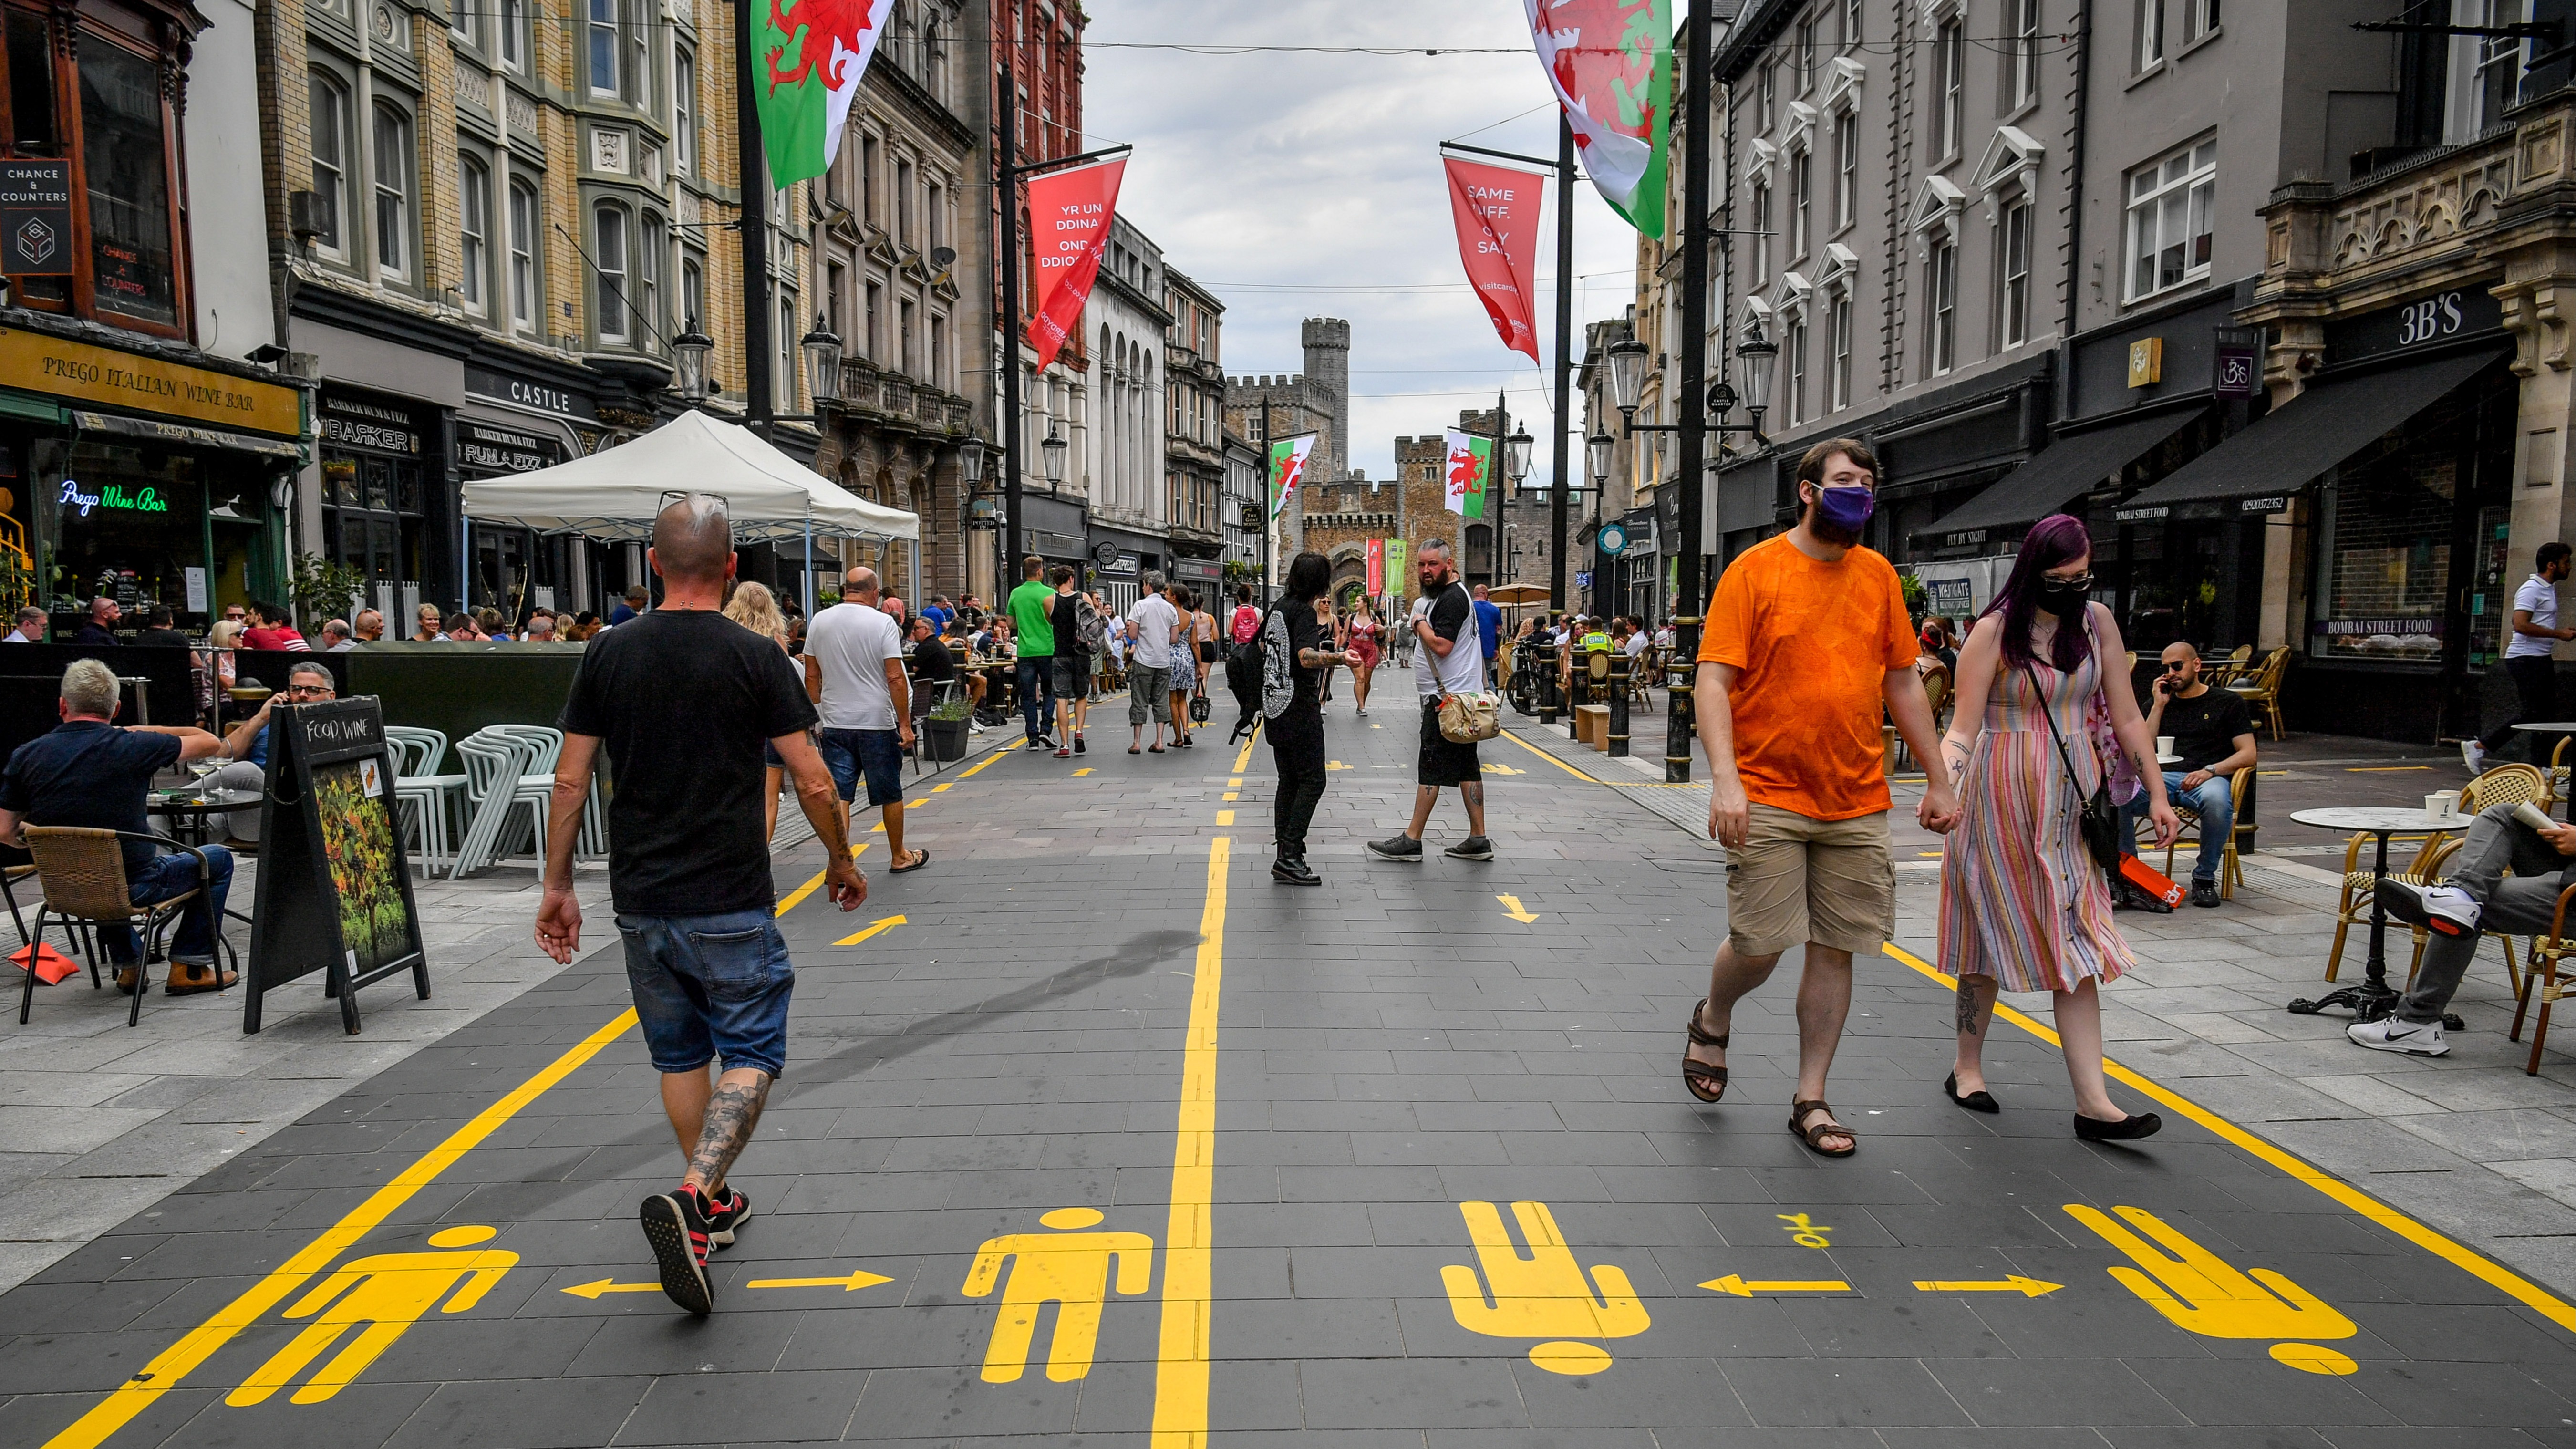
(1267, 172)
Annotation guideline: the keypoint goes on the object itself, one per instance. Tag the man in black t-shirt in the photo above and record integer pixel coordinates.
(932, 665)
(2214, 736)
(683, 697)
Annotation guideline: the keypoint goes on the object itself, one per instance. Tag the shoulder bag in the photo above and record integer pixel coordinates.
(2099, 821)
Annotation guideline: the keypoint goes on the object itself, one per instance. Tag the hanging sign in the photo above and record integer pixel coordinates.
(1495, 210)
(334, 890)
(1069, 214)
(1611, 64)
(1288, 468)
(1376, 567)
(1470, 468)
(36, 217)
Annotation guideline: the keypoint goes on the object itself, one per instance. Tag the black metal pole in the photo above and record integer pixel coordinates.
(752, 162)
(1264, 505)
(1006, 188)
(1693, 480)
(1558, 460)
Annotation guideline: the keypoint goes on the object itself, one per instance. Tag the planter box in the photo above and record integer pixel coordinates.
(945, 739)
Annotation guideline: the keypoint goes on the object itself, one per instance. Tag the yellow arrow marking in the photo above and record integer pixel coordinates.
(609, 1285)
(1513, 908)
(1078, 774)
(886, 924)
(859, 1278)
(1496, 767)
(1335, 765)
(1741, 1289)
(2027, 1287)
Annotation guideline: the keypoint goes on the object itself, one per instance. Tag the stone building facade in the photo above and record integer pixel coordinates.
(1194, 428)
(1317, 400)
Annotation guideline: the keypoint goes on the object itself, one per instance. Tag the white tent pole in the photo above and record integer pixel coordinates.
(464, 557)
(807, 562)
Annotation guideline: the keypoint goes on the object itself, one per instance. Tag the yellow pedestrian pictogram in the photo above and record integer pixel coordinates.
(2198, 1291)
(1067, 1268)
(1541, 1294)
(1806, 1232)
(388, 1293)
(1767, 1287)
(2026, 1287)
(1513, 908)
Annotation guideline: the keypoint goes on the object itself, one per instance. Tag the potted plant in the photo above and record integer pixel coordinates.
(944, 731)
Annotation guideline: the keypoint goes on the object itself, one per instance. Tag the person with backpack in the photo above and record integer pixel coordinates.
(1296, 657)
(1078, 633)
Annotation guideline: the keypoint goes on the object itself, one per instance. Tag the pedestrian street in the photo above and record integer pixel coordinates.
(1091, 1134)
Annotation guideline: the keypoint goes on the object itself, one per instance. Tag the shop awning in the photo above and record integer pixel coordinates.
(2058, 475)
(2284, 450)
(613, 496)
(185, 435)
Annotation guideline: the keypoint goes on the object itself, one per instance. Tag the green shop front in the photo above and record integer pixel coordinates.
(140, 476)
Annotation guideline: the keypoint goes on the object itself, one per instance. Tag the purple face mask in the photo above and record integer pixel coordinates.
(1846, 508)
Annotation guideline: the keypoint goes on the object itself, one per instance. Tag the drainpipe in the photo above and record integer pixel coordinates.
(2075, 208)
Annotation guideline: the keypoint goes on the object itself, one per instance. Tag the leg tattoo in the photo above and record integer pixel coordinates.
(731, 1115)
(1472, 793)
(1969, 1017)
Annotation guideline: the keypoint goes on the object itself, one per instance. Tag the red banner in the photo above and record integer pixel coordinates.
(1496, 211)
(1069, 214)
(1376, 567)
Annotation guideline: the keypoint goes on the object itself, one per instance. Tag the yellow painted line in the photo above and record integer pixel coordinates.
(1078, 774)
(1551, 759)
(173, 1364)
(969, 772)
(1243, 757)
(1513, 908)
(1234, 784)
(2382, 769)
(1225, 817)
(1232, 795)
(2557, 1310)
(1189, 1243)
(943, 785)
(886, 924)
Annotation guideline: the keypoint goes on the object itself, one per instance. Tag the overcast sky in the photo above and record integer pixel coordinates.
(1298, 185)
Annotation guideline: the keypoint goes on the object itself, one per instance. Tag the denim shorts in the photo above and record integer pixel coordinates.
(876, 755)
(708, 987)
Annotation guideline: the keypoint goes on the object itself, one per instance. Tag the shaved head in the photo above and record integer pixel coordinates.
(693, 540)
(860, 582)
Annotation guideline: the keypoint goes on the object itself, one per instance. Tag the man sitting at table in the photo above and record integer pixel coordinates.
(86, 772)
(2214, 735)
(2478, 896)
(247, 746)
(933, 666)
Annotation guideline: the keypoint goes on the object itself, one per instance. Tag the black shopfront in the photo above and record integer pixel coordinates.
(386, 514)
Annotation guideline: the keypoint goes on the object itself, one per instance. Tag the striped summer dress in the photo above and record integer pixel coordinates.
(2021, 899)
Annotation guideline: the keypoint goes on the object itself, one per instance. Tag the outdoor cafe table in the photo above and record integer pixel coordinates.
(2372, 997)
(194, 809)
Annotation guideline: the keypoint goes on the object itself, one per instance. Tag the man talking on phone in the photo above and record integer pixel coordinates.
(2214, 735)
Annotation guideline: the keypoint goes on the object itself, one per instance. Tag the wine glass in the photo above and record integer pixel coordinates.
(202, 769)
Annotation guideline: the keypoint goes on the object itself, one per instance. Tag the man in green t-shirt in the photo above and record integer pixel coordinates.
(1035, 676)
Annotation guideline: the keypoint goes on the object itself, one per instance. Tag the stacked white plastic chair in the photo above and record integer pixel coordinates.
(418, 783)
(496, 764)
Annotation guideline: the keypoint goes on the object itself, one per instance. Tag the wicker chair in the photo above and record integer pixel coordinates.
(2231, 868)
(2541, 982)
(2503, 785)
(2262, 692)
(83, 873)
(2221, 673)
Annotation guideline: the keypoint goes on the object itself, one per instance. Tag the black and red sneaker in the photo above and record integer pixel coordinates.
(675, 1226)
(731, 1211)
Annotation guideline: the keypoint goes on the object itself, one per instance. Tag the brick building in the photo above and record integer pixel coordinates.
(1341, 517)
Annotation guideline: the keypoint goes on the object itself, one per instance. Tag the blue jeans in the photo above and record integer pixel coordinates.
(2211, 803)
(167, 876)
(1035, 679)
(710, 986)
(873, 755)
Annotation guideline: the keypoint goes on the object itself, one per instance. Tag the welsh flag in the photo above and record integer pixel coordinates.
(812, 53)
(1611, 62)
(1288, 468)
(1471, 466)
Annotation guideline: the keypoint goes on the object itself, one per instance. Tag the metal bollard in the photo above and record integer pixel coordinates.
(1548, 704)
(1679, 721)
(1579, 686)
(1618, 742)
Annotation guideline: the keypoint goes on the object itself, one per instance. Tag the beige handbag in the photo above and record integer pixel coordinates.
(1467, 718)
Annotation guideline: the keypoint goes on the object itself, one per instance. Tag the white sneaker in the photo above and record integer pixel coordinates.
(2393, 1034)
(2474, 755)
(2447, 910)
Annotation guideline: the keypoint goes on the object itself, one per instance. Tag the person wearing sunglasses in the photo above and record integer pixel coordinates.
(246, 746)
(2213, 732)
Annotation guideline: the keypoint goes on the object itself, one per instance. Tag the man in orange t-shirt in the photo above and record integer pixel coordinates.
(1807, 646)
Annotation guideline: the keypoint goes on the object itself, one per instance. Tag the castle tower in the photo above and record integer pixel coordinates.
(1327, 342)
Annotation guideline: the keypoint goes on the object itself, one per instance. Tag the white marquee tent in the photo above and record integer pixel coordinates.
(613, 496)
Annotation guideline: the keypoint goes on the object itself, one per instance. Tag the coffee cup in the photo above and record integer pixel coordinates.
(2442, 804)
(2164, 746)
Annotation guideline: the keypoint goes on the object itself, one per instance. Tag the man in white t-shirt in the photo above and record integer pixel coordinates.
(1151, 627)
(1449, 659)
(854, 674)
(2531, 635)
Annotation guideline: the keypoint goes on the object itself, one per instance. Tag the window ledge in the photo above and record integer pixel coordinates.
(2204, 38)
(2144, 76)
(2018, 116)
(2162, 295)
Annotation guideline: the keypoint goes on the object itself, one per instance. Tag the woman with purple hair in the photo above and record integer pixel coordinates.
(2023, 905)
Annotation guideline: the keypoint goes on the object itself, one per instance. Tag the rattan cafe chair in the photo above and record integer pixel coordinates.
(83, 874)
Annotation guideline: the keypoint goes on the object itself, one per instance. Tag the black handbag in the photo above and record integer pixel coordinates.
(2099, 822)
(1199, 708)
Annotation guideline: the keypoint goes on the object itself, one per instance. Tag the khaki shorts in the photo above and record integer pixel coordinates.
(1799, 879)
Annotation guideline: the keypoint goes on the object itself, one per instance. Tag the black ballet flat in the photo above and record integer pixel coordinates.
(1976, 1101)
(2127, 1129)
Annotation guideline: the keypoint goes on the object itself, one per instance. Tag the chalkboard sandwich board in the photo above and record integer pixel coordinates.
(334, 889)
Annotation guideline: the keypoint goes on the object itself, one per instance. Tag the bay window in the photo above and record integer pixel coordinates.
(608, 260)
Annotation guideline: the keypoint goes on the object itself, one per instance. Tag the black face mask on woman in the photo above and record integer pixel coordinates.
(2062, 598)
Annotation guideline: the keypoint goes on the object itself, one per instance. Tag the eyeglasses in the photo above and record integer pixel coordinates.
(310, 691)
(2083, 580)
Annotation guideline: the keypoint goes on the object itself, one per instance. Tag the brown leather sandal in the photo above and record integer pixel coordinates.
(1695, 1073)
(1814, 1133)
